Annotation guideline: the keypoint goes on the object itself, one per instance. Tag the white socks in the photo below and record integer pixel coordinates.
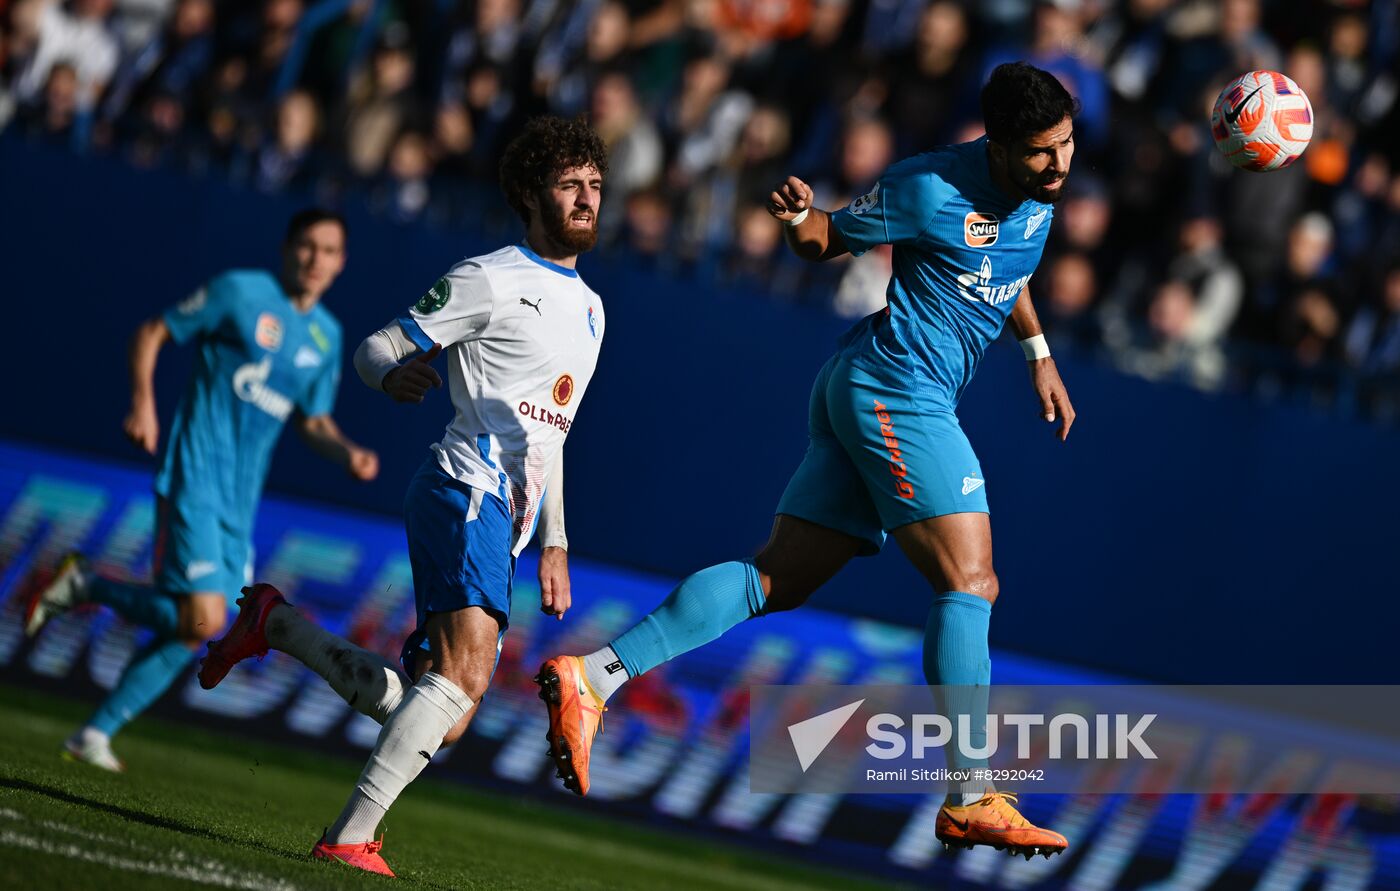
(604, 672)
(410, 738)
(367, 681)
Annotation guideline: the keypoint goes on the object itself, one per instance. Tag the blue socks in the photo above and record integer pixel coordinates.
(154, 667)
(143, 606)
(955, 641)
(956, 657)
(700, 609)
(149, 673)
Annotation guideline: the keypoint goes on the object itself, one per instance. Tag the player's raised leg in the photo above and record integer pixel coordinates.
(369, 683)
(75, 583)
(799, 558)
(463, 647)
(198, 556)
(177, 618)
(954, 552)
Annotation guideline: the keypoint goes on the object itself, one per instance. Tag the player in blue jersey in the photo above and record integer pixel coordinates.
(968, 224)
(268, 350)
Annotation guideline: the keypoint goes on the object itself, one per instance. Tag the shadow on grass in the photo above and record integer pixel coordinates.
(159, 822)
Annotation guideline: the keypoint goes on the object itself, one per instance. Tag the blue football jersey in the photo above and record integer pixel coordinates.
(963, 251)
(259, 359)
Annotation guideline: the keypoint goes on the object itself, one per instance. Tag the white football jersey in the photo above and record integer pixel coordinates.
(521, 335)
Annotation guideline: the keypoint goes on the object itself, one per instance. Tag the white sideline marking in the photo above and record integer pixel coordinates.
(70, 830)
(207, 872)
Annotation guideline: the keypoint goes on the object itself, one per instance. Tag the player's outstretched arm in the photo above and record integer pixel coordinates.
(1045, 377)
(324, 437)
(556, 595)
(807, 229)
(377, 362)
(142, 425)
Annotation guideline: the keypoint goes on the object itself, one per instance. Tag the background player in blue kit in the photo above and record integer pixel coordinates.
(268, 351)
(968, 224)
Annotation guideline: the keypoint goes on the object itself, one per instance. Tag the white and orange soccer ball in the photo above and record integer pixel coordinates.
(1262, 121)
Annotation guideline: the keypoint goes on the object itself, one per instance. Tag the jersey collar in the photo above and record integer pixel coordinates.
(553, 267)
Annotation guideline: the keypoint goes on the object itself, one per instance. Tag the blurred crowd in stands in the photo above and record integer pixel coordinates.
(1162, 260)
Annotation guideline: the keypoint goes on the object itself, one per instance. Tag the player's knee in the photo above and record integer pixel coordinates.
(785, 591)
(203, 619)
(980, 583)
(472, 679)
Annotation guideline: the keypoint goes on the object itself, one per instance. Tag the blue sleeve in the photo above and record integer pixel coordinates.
(896, 211)
(319, 398)
(202, 312)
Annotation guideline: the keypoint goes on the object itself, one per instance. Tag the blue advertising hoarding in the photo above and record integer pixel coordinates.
(675, 747)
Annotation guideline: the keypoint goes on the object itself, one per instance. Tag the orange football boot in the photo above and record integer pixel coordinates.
(993, 821)
(575, 715)
(364, 855)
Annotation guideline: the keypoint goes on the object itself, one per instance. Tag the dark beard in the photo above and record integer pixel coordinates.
(573, 241)
(1034, 192)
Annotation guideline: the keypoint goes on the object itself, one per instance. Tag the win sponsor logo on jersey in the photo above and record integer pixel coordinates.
(981, 229)
(978, 285)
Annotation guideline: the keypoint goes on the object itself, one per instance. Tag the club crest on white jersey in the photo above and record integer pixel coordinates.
(521, 336)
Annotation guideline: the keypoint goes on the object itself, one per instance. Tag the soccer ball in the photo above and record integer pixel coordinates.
(1262, 121)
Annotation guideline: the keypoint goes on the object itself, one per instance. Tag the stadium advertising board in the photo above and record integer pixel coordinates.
(676, 745)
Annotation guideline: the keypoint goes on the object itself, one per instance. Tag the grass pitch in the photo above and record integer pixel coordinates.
(198, 809)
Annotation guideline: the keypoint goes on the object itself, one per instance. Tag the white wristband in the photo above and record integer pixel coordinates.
(797, 220)
(1035, 348)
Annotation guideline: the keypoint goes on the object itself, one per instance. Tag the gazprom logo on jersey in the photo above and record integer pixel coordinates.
(250, 385)
(981, 229)
(978, 285)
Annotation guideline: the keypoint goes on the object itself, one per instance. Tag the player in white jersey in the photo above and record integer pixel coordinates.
(521, 332)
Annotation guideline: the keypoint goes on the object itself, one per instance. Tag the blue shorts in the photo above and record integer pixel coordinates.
(199, 550)
(459, 540)
(880, 457)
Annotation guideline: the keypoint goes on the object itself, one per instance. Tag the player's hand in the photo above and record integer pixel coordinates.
(363, 464)
(142, 426)
(1054, 400)
(411, 381)
(555, 597)
(790, 199)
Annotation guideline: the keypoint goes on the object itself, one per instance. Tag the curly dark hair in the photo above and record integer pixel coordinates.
(1020, 100)
(545, 148)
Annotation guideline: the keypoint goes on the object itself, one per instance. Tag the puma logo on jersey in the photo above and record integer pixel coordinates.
(535, 306)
